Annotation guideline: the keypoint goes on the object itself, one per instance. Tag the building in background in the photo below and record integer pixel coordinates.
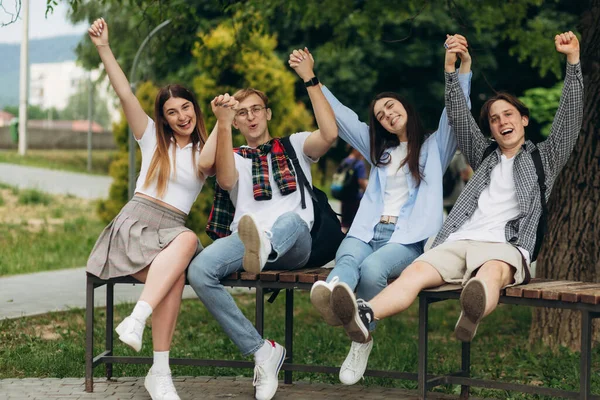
(53, 84)
(5, 118)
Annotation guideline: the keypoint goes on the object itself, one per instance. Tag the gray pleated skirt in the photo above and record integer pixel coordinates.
(134, 238)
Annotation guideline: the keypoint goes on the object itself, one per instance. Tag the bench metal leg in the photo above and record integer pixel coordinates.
(586, 350)
(110, 296)
(289, 332)
(89, 336)
(466, 368)
(260, 310)
(422, 367)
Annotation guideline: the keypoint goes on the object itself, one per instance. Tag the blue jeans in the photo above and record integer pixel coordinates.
(366, 267)
(291, 244)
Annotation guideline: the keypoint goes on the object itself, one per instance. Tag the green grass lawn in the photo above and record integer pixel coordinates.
(52, 345)
(69, 160)
(41, 232)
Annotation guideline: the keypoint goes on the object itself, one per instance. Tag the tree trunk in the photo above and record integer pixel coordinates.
(571, 248)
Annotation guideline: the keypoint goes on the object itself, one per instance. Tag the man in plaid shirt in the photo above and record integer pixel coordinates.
(270, 228)
(487, 241)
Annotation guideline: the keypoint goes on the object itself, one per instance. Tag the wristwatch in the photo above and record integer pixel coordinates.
(311, 82)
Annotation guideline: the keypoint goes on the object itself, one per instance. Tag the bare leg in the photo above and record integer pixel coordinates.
(398, 296)
(167, 268)
(496, 275)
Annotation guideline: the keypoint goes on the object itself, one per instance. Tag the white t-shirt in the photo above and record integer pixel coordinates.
(267, 211)
(496, 206)
(184, 185)
(396, 186)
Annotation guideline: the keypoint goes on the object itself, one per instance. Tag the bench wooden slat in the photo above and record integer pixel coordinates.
(517, 291)
(313, 275)
(248, 276)
(568, 292)
(575, 295)
(289, 277)
(309, 275)
(270, 276)
(233, 276)
(590, 296)
(323, 275)
(536, 291)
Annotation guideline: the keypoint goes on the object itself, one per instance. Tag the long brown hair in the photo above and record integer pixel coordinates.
(160, 167)
(382, 140)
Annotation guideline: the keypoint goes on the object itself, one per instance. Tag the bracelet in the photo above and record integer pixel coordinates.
(102, 44)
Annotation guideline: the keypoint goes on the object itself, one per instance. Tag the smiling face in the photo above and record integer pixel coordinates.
(392, 116)
(180, 116)
(507, 125)
(252, 120)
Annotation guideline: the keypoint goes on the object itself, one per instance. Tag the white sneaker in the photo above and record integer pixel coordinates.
(355, 364)
(257, 244)
(265, 374)
(130, 332)
(320, 297)
(160, 386)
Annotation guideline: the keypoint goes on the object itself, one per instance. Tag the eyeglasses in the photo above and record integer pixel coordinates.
(254, 110)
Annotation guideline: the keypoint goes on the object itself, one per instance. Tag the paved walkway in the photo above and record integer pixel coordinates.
(56, 182)
(61, 290)
(195, 388)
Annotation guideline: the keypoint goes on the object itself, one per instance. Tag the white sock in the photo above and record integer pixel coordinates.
(161, 362)
(141, 311)
(264, 353)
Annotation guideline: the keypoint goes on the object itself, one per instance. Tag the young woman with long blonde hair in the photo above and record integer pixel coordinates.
(148, 239)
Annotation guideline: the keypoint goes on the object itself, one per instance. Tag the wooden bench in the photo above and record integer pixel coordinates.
(584, 297)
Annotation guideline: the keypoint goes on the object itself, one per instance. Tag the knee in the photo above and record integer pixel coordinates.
(292, 217)
(371, 276)
(198, 274)
(498, 271)
(189, 241)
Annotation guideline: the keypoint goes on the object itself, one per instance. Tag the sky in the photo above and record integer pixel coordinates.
(39, 26)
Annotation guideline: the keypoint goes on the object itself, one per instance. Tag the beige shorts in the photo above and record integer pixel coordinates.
(457, 261)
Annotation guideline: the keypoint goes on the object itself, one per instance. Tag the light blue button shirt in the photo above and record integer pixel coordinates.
(422, 214)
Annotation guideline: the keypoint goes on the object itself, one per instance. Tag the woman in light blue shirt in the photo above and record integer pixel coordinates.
(402, 205)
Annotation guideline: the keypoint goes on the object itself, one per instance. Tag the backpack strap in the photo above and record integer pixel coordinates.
(542, 225)
(489, 150)
(301, 178)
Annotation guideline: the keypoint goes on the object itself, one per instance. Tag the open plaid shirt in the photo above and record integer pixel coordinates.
(554, 151)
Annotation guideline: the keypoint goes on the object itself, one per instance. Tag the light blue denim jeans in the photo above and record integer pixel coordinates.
(291, 244)
(366, 267)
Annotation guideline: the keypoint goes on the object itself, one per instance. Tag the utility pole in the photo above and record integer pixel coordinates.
(132, 82)
(24, 81)
(90, 118)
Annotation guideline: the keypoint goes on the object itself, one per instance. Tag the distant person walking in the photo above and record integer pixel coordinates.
(349, 184)
(148, 240)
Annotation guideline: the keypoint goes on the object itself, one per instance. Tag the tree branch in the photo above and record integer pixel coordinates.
(13, 15)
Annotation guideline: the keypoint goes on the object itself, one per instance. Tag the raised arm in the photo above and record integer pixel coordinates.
(224, 108)
(206, 161)
(445, 137)
(136, 117)
(569, 116)
(471, 141)
(323, 138)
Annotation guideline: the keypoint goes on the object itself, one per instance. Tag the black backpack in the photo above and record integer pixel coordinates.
(344, 184)
(539, 169)
(326, 232)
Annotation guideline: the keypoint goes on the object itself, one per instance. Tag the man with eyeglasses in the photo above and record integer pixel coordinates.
(257, 218)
